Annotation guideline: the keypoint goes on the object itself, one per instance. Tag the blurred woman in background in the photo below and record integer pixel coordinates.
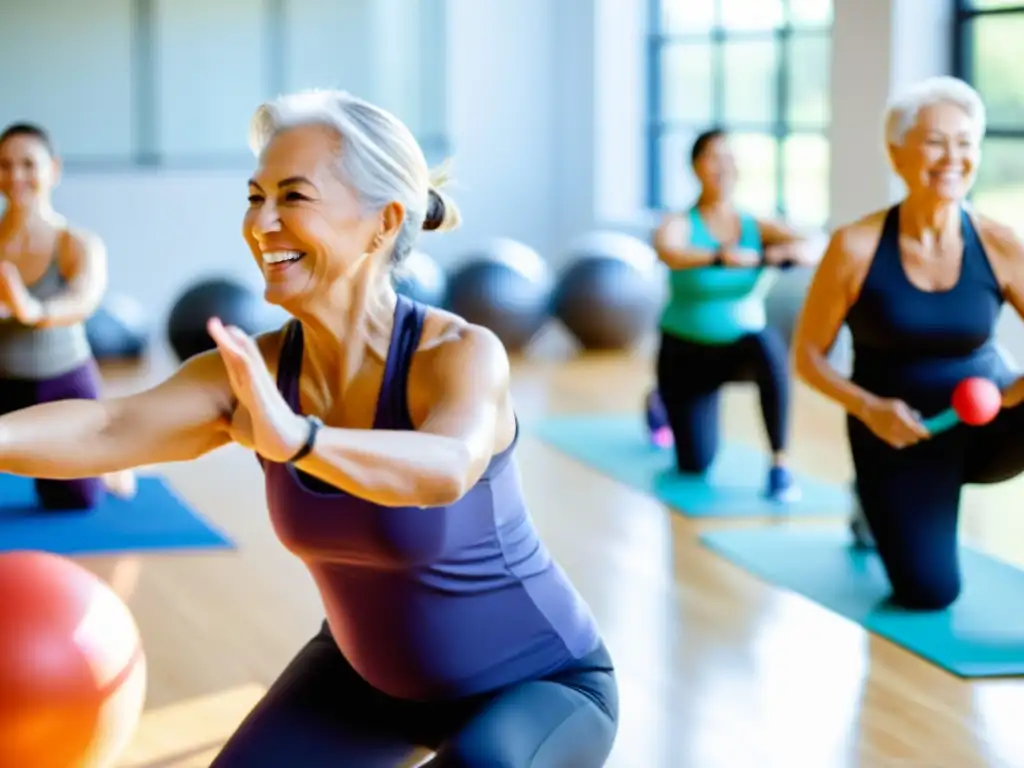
(714, 328)
(52, 278)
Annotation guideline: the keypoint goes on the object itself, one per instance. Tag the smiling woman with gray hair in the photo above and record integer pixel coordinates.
(920, 285)
(387, 434)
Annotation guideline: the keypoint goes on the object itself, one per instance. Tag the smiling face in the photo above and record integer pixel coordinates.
(28, 173)
(305, 228)
(940, 153)
(715, 167)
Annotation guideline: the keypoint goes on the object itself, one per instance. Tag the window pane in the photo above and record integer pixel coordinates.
(999, 188)
(750, 81)
(816, 13)
(998, 60)
(683, 17)
(686, 82)
(326, 45)
(210, 75)
(678, 185)
(805, 179)
(751, 14)
(68, 66)
(757, 172)
(808, 80)
(986, 5)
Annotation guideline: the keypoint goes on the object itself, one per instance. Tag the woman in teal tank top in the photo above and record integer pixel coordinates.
(714, 328)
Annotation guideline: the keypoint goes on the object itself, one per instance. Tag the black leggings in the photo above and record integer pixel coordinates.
(911, 499)
(690, 376)
(321, 714)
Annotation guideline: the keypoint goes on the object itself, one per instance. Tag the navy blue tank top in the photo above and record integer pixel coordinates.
(917, 345)
(428, 603)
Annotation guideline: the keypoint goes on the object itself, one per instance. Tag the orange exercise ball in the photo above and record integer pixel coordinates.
(72, 669)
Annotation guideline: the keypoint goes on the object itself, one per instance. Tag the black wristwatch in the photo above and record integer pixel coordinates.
(314, 426)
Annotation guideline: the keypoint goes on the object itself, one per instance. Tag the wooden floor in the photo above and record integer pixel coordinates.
(716, 669)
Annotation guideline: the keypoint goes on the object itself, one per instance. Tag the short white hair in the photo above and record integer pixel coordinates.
(379, 159)
(902, 111)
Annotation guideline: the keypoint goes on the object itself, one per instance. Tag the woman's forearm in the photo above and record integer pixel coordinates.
(391, 468)
(783, 252)
(685, 258)
(61, 440)
(69, 308)
(814, 369)
(1013, 395)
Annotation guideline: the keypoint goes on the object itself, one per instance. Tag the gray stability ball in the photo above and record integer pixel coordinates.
(504, 286)
(608, 296)
(234, 302)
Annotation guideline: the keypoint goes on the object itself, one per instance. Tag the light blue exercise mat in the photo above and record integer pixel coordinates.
(981, 635)
(618, 447)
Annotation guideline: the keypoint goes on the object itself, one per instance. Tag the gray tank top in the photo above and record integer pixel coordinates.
(33, 353)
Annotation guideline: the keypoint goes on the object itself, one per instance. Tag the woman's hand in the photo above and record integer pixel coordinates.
(262, 421)
(895, 422)
(1013, 395)
(16, 298)
(740, 257)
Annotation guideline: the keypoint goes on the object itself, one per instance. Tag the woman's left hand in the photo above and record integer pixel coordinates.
(263, 420)
(1013, 395)
(15, 297)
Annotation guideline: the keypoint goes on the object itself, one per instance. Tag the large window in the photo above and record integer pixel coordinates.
(989, 54)
(759, 69)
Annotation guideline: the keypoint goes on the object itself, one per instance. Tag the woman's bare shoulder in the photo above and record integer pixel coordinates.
(858, 239)
(999, 239)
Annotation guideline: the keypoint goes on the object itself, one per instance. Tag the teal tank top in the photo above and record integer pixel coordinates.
(718, 305)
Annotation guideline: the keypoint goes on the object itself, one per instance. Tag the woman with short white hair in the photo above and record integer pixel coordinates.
(920, 285)
(387, 434)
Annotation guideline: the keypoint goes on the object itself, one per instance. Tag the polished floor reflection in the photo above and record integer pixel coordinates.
(717, 669)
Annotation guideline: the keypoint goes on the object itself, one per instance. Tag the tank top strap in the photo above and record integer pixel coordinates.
(976, 264)
(885, 265)
(393, 402)
(750, 232)
(700, 235)
(289, 364)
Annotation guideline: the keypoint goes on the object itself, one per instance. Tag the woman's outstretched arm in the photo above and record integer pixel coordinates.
(179, 419)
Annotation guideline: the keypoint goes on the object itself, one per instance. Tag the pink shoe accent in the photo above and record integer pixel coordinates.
(663, 438)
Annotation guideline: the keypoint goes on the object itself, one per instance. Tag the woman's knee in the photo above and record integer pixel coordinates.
(920, 560)
(928, 592)
(913, 519)
(583, 737)
(59, 495)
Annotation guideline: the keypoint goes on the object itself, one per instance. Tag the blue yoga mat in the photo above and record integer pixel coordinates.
(156, 519)
(618, 446)
(981, 635)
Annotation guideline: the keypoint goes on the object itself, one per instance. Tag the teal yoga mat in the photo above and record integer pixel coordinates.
(617, 446)
(981, 635)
